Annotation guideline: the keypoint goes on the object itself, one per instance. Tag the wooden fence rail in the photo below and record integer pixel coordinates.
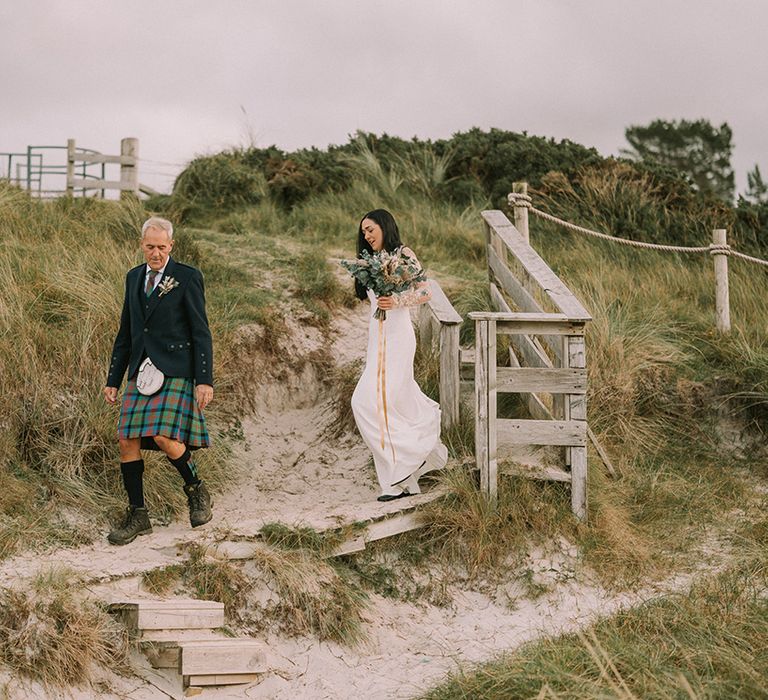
(128, 161)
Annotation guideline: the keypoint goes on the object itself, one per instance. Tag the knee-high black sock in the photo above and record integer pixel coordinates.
(186, 466)
(133, 481)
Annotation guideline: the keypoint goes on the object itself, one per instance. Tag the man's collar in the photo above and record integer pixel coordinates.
(148, 269)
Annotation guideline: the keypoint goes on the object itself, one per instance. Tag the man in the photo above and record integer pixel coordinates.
(163, 319)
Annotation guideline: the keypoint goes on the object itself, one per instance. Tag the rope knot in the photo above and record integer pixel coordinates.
(518, 199)
(719, 249)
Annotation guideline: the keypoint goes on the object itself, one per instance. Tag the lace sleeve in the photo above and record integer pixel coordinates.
(420, 293)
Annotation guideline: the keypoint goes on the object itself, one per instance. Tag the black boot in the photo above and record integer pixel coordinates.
(199, 501)
(136, 523)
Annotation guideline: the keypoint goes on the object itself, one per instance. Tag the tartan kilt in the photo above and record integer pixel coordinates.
(172, 412)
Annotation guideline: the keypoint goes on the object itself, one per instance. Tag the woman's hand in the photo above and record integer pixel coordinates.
(203, 395)
(386, 303)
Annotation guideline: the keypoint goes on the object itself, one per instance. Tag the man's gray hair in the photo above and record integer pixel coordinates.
(157, 222)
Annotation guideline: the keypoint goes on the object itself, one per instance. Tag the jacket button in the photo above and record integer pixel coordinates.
(146, 330)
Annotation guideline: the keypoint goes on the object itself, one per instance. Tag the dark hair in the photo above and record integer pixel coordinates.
(391, 239)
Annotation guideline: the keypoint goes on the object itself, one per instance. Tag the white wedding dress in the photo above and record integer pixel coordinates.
(412, 418)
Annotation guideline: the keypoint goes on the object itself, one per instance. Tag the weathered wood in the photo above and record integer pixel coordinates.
(482, 419)
(722, 303)
(531, 324)
(521, 212)
(542, 432)
(493, 478)
(70, 166)
(424, 323)
(535, 267)
(601, 452)
(221, 679)
(222, 656)
(129, 173)
(171, 614)
(449, 375)
(534, 379)
(577, 412)
(538, 473)
(440, 305)
(103, 158)
(96, 184)
(389, 526)
(522, 298)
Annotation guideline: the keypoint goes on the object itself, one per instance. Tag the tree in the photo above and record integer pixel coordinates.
(695, 148)
(757, 189)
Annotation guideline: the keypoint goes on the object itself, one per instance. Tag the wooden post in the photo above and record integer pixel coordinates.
(424, 322)
(577, 411)
(485, 408)
(129, 169)
(722, 305)
(449, 374)
(70, 167)
(521, 212)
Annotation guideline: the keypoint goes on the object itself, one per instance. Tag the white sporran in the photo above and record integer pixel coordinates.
(149, 379)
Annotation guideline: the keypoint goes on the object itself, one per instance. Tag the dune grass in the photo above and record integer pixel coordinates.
(708, 642)
(52, 634)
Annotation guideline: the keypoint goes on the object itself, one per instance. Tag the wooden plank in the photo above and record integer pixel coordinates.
(225, 656)
(424, 323)
(511, 286)
(533, 379)
(523, 300)
(93, 184)
(102, 158)
(540, 327)
(467, 356)
(181, 616)
(577, 412)
(542, 432)
(493, 476)
(388, 526)
(482, 419)
(449, 375)
(442, 308)
(535, 266)
(538, 473)
(221, 679)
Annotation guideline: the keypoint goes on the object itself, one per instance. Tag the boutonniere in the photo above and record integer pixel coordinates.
(166, 285)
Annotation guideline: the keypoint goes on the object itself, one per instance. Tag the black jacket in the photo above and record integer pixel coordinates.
(171, 329)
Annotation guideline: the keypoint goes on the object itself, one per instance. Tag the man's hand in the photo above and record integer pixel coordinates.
(203, 395)
(386, 303)
(110, 394)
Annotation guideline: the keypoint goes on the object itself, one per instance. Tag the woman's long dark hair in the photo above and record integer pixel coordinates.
(391, 239)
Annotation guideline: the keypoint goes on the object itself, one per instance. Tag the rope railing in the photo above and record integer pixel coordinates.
(719, 249)
(519, 199)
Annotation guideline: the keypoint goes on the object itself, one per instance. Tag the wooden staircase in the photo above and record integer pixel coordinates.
(182, 635)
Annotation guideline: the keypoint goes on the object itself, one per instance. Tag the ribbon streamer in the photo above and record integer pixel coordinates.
(381, 390)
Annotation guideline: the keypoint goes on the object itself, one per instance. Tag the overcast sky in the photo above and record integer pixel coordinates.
(195, 76)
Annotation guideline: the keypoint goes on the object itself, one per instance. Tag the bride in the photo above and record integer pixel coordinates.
(399, 424)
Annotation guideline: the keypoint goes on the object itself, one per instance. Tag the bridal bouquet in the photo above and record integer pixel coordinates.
(385, 273)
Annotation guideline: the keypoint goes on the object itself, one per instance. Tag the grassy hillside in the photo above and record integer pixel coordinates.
(680, 408)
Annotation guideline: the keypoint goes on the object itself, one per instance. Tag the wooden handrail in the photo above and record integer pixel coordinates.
(535, 268)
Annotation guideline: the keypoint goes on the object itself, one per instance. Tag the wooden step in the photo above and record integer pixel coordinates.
(221, 679)
(220, 657)
(162, 647)
(177, 614)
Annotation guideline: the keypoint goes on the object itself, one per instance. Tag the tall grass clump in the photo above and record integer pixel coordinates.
(52, 634)
(62, 272)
